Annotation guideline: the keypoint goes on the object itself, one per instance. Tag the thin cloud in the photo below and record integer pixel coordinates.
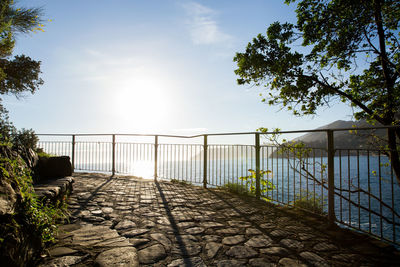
(203, 27)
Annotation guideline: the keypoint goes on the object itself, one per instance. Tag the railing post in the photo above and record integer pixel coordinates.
(113, 154)
(73, 153)
(155, 156)
(205, 162)
(331, 179)
(258, 188)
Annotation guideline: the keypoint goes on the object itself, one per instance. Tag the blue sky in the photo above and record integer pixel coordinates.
(127, 66)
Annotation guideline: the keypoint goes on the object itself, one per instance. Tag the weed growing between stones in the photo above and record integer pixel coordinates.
(248, 185)
(310, 202)
(182, 182)
(236, 188)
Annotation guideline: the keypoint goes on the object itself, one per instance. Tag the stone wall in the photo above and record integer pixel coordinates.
(18, 243)
(20, 240)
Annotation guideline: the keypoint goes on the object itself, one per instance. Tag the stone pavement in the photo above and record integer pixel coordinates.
(128, 221)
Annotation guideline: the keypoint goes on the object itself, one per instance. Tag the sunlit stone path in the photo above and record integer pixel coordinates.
(127, 221)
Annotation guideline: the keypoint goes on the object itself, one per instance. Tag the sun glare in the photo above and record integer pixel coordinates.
(142, 103)
(144, 169)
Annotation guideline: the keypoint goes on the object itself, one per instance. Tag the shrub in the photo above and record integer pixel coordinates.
(31, 216)
(236, 188)
(182, 182)
(310, 202)
(25, 138)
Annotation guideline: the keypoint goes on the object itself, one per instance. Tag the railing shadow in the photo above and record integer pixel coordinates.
(181, 243)
(84, 204)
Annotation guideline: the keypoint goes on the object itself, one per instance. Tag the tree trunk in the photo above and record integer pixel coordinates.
(393, 153)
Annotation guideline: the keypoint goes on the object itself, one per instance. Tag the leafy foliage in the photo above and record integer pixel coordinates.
(337, 34)
(265, 183)
(338, 50)
(33, 214)
(310, 202)
(237, 188)
(21, 73)
(25, 138)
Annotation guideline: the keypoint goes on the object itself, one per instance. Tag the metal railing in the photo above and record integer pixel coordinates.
(354, 187)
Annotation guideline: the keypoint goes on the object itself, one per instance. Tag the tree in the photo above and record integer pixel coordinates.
(19, 74)
(346, 49)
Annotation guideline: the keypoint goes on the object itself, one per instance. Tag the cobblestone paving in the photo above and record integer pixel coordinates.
(127, 221)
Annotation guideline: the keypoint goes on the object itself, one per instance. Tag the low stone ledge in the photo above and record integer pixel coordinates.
(51, 190)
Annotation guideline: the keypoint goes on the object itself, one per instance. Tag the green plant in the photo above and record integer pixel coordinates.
(183, 182)
(43, 154)
(25, 138)
(40, 218)
(236, 188)
(310, 202)
(345, 50)
(265, 184)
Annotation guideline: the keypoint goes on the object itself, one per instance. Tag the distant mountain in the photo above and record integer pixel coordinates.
(342, 139)
(345, 139)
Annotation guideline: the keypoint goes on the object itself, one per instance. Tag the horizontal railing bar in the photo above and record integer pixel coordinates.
(237, 133)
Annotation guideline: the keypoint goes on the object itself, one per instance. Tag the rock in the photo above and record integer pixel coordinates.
(30, 157)
(241, 252)
(260, 262)
(291, 243)
(115, 242)
(97, 236)
(125, 224)
(305, 236)
(163, 240)
(260, 241)
(228, 231)
(163, 221)
(212, 249)
(187, 249)
(231, 263)
(239, 224)
(195, 230)
(148, 224)
(152, 254)
(268, 225)
(185, 239)
(233, 240)
(151, 214)
(8, 198)
(211, 224)
(324, 246)
(186, 224)
(193, 262)
(314, 259)
(61, 251)
(135, 232)
(280, 233)
(275, 251)
(123, 256)
(93, 219)
(63, 261)
(96, 212)
(346, 257)
(138, 241)
(253, 231)
(107, 210)
(54, 167)
(211, 238)
(288, 262)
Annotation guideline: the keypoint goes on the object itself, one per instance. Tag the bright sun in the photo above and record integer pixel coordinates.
(142, 102)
